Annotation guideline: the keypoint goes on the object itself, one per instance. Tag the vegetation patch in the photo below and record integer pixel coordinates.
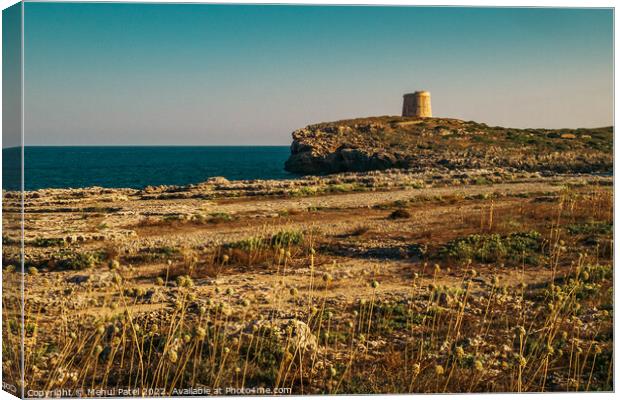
(591, 228)
(344, 188)
(282, 239)
(150, 254)
(219, 217)
(75, 260)
(47, 242)
(516, 247)
(250, 244)
(287, 238)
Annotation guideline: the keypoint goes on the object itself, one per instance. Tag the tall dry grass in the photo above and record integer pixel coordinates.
(476, 334)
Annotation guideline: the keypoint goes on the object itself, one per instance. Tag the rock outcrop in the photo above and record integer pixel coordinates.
(380, 143)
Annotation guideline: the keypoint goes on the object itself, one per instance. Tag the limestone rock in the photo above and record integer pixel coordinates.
(416, 143)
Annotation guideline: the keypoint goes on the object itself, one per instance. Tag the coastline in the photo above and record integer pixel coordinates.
(318, 184)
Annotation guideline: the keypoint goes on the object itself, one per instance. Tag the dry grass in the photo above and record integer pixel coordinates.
(464, 326)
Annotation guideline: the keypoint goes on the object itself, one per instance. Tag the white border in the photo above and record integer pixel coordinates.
(459, 3)
(475, 3)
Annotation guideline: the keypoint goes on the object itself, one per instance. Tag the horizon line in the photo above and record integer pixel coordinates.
(147, 145)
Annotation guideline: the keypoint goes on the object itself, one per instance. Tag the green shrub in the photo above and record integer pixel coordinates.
(344, 187)
(304, 191)
(493, 247)
(220, 217)
(400, 203)
(287, 238)
(417, 184)
(249, 244)
(172, 217)
(76, 260)
(279, 240)
(592, 228)
(7, 240)
(48, 242)
(481, 180)
(598, 273)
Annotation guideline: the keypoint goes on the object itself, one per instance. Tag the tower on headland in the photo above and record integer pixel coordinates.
(417, 104)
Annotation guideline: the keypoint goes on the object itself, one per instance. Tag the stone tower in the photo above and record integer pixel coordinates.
(417, 104)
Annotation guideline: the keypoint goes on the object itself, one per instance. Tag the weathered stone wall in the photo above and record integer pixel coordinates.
(417, 104)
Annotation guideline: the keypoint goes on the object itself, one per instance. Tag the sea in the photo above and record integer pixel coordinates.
(139, 166)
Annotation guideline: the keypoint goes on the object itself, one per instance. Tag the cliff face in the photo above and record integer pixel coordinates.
(378, 143)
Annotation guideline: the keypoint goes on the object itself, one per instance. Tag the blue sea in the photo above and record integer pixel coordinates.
(138, 167)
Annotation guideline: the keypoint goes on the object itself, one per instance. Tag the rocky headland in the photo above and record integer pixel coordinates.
(379, 143)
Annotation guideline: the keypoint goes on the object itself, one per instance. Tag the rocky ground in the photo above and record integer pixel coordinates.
(369, 273)
(92, 216)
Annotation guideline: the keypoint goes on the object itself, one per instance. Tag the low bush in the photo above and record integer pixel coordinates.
(48, 242)
(287, 238)
(516, 247)
(75, 260)
(249, 244)
(592, 228)
(220, 217)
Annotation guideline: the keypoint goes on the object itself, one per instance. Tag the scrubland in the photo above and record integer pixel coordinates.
(470, 286)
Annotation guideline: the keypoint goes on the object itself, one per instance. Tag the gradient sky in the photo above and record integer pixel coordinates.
(222, 74)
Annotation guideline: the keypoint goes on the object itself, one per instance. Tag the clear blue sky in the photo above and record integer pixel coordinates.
(215, 74)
